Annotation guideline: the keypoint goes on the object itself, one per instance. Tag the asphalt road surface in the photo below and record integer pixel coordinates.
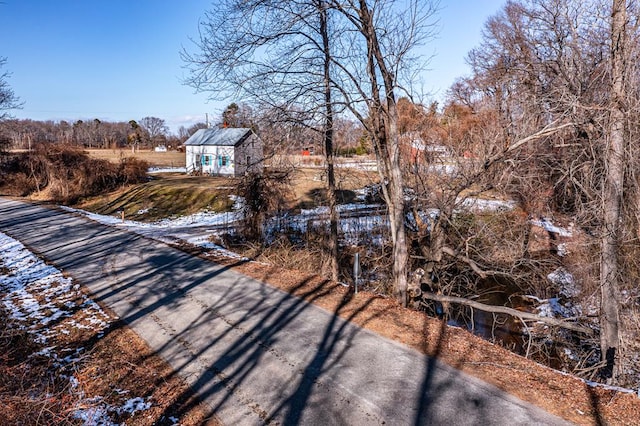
(255, 354)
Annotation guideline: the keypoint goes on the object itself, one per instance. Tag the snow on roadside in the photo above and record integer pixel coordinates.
(195, 229)
(199, 219)
(42, 301)
(357, 221)
(39, 296)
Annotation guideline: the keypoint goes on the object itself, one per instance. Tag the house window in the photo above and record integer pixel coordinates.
(205, 160)
(223, 160)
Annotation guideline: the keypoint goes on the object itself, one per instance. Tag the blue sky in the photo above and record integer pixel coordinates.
(119, 60)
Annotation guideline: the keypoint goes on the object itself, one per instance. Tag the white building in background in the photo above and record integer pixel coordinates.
(226, 151)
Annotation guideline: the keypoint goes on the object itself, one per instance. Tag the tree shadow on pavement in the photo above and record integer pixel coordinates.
(254, 343)
(222, 331)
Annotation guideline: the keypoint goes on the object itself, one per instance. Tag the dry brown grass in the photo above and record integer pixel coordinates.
(174, 194)
(309, 185)
(36, 391)
(165, 196)
(65, 174)
(155, 159)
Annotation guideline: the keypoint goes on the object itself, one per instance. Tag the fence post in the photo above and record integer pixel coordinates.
(356, 270)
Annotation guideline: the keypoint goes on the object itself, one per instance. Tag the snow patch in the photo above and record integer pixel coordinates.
(547, 225)
(483, 205)
(42, 300)
(565, 281)
(153, 170)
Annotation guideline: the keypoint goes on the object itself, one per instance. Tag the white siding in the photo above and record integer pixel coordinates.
(218, 160)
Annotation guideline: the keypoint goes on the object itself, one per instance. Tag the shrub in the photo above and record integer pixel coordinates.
(263, 194)
(133, 170)
(65, 174)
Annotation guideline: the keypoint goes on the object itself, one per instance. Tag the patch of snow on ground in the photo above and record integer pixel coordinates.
(194, 229)
(41, 299)
(565, 281)
(203, 241)
(552, 308)
(94, 416)
(548, 226)
(562, 250)
(370, 166)
(484, 205)
(134, 405)
(561, 306)
(31, 280)
(167, 170)
(342, 208)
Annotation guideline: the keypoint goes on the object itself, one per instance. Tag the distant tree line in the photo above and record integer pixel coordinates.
(148, 132)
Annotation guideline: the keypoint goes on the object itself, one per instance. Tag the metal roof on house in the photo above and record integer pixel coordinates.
(218, 137)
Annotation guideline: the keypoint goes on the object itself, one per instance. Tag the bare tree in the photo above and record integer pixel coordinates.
(358, 52)
(155, 127)
(388, 33)
(278, 55)
(612, 194)
(566, 66)
(8, 99)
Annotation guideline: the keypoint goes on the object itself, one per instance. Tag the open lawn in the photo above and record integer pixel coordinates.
(166, 196)
(174, 194)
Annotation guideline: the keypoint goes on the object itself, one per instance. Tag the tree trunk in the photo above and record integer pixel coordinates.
(612, 199)
(396, 208)
(384, 114)
(328, 144)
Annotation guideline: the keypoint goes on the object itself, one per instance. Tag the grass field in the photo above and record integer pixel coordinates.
(155, 159)
(165, 196)
(174, 194)
(309, 186)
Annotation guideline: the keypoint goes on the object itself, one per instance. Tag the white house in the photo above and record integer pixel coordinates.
(231, 152)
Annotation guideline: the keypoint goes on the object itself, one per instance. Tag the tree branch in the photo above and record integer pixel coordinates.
(508, 311)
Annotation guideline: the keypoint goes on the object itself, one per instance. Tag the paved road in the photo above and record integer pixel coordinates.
(254, 353)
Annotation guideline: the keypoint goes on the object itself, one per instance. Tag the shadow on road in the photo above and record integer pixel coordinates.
(223, 330)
